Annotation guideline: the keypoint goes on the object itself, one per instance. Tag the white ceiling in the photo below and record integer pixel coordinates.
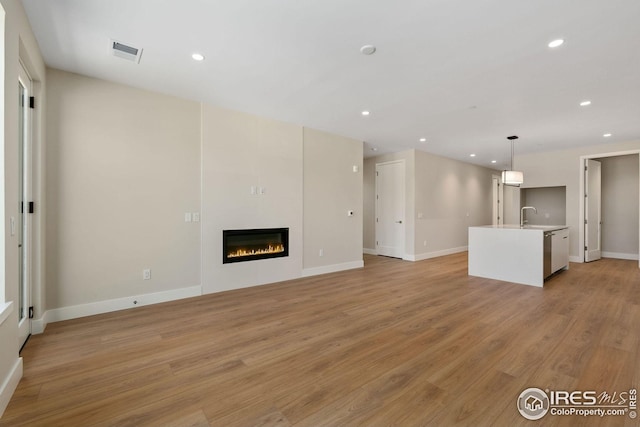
(464, 74)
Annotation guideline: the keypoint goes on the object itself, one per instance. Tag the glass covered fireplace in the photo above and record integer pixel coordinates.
(252, 244)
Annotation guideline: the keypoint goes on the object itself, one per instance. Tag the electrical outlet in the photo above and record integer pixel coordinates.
(146, 274)
(196, 216)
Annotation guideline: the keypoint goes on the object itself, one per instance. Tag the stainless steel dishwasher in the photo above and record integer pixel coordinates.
(547, 254)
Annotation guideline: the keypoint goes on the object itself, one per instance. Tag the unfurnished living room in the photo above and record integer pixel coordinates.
(337, 213)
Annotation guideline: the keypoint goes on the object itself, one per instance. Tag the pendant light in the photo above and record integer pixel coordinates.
(511, 177)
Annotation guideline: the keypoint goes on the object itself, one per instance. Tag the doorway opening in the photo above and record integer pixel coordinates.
(619, 195)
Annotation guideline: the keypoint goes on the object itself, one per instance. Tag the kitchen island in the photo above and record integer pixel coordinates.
(525, 255)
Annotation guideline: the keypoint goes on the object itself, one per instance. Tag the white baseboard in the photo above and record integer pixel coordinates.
(75, 311)
(435, 254)
(9, 385)
(618, 255)
(369, 251)
(307, 272)
(575, 259)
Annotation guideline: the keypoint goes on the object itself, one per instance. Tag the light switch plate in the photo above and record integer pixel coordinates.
(187, 217)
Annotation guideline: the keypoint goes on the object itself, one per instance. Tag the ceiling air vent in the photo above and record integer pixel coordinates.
(124, 51)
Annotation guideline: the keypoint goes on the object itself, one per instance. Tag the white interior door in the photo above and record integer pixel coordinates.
(23, 227)
(592, 210)
(390, 209)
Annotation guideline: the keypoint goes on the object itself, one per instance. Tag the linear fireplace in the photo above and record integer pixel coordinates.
(253, 244)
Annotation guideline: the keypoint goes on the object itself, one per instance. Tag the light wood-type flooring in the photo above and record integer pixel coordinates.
(394, 344)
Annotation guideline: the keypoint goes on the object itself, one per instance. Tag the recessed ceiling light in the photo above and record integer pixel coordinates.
(423, 139)
(607, 135)
(198, 57)
(368, 49)
(494, 161)
(472, 155)
(585, 103)
(556, 43)
(365, 113)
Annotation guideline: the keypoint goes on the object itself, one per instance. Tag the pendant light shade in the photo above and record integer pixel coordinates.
(511, 177)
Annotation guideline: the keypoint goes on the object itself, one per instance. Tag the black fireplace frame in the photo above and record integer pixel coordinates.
(226, 234)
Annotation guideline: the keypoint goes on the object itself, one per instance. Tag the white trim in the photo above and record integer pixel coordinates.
(618, 255)
(369, 251)
(577, 259)
(308, 272)
(10, 384)
(38, 326)
(5, 310)
(435, 254)
(75, 311)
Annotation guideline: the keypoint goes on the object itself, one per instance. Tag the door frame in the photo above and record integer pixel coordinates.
(404, 237)
(25, 221)
(581, 196)
(593, 175)
(497, 201)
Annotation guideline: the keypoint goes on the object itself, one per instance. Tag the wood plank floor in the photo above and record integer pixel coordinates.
(393, 344)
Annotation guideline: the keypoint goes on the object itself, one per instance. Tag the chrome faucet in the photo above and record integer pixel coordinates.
(522, 214)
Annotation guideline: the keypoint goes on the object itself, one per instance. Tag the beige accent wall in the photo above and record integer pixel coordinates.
(550, 204)
(563, 168)
(331, 189)
(19, 43)
(620, 193)
(443, 198)
(241, 151)
(123, 167)
(368, 205)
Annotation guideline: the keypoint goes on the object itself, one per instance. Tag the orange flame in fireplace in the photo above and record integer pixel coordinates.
(271, 249)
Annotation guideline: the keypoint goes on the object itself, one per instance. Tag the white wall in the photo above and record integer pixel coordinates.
(240, 151)
(563, 168)
(123, 167)
(511, 204)
(331, 188)
(19, 43)
(449, 195)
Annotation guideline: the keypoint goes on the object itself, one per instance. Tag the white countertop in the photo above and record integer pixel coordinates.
(526, 227)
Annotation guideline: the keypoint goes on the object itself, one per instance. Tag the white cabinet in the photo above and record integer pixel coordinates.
(559, 249)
